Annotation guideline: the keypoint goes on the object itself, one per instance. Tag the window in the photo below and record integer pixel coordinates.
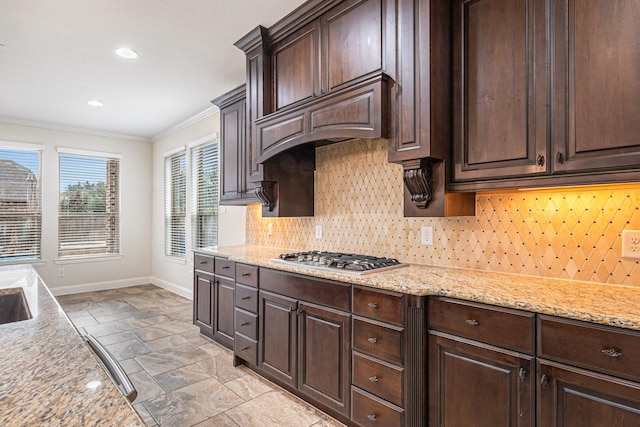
(175, 173)
(89, 205)
(204, 206)
(20, 204)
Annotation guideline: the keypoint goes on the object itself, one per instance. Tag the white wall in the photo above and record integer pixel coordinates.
(135, 197)
(172, 274)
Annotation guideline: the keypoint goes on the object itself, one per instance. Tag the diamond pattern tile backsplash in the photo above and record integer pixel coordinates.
(570, 234)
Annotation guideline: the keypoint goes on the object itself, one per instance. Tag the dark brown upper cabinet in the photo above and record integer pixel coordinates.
(420, 135)
(545, 93)
(235, 187)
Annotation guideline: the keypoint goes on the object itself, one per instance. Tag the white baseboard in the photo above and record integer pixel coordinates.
(172, 287)
(125, 283)
(100, 286)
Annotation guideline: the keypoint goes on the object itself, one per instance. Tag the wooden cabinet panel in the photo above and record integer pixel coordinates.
(203, 263)
(246, 323)
(369, 411)
(203, 294)
(382, 379)
(379, 340)
(600, 348)
(225, 268)
(352, 41)
(494, 325)
(247, 274)
(296, 66)
(472, 384)
(246, 349)
(224, 312)
(324, 341)
(379, 305)
(247, 298)
(277, 354)
(499, 89)
(572, 397)
(596, 87)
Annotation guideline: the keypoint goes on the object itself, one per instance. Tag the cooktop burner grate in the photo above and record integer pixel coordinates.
(355, 263)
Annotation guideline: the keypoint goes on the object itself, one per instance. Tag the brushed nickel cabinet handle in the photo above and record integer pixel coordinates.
(373, 305)
(612, 352)
(522, 373)
(245, 298)
(371, 417)
(244, 323)
(244, 348)
(224, 267)
(203, 262)
(373, 379)
(472, 322)
(245, 274)
(372, 340)
(540, 160)
(544, 380)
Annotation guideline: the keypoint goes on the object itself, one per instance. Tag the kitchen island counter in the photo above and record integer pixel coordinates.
(48, 375)
(605, 304)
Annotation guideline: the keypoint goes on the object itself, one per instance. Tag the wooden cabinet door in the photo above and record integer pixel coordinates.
(500, 126)
(324, 342)
(278, 337)
(473, 384)
(203, 296)
(232, 134)
(595, 109)
(224, 311)
(572, 397)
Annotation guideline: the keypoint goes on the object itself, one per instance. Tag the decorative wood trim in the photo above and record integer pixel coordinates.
(265, 193)
(418, 179)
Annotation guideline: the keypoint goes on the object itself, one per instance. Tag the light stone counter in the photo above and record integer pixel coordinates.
(592, 302)
(48, 375)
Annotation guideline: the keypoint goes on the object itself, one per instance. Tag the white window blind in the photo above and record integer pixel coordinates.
(20, 205)
(89, 206)
(204, 193)
(175, 173)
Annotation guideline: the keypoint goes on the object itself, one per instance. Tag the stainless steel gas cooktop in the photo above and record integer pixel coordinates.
(351, 263)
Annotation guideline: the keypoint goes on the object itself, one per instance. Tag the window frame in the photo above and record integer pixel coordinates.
(169, 197)
(196, 158)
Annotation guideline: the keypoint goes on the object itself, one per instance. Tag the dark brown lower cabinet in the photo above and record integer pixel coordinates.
(203, 300)
(573, 397)
(476, 384)
(307, 347)
(224, 303)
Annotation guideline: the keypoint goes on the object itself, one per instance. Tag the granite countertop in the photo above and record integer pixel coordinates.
(593, 302)
(48, 375)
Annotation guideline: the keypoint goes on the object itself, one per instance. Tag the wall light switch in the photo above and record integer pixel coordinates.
(61, 272)
(270, 229)
(426, 236)
(631, 244)
(319, 231)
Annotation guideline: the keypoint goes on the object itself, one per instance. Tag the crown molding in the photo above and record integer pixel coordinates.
(200, 116)
(72, 129)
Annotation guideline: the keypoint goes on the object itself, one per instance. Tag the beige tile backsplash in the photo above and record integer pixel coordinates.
(571, 234)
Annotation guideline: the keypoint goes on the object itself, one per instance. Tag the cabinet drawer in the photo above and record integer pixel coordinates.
(368, 410)
(247, 298)
(378, 378)
(601, 348)
(246, 323)
(247, 275)
(502, 327)
(203, 262)
(378, 305)
(226, 268)
(246, 349)
(382, 341)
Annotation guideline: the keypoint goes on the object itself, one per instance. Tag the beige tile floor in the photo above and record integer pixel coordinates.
(182, 378)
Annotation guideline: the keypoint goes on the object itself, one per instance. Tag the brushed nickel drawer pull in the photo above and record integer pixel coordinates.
(203, 262)
(522, 373)
(373, 305)
(612, 352)
(373, 379)
(244, 323)
(244, 348)
(544, 380)
(245, 298)
(372, 340)
(472, 322)
(371, 417)
(245, 274)
(224, 267)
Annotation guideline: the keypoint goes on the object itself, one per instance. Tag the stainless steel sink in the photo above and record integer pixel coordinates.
(13, 306)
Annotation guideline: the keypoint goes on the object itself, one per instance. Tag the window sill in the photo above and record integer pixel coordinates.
(175, 260)
(84, 259)
(33, 262)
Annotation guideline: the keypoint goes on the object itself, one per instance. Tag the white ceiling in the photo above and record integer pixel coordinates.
(55, 55)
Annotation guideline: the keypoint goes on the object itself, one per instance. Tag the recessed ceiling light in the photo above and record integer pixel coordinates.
(95, 103)
(125, 52)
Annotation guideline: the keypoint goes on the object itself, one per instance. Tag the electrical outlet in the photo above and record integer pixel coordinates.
(631, 244)
(270, 229)
(61, 272)
(426, 236)
(319, 231)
